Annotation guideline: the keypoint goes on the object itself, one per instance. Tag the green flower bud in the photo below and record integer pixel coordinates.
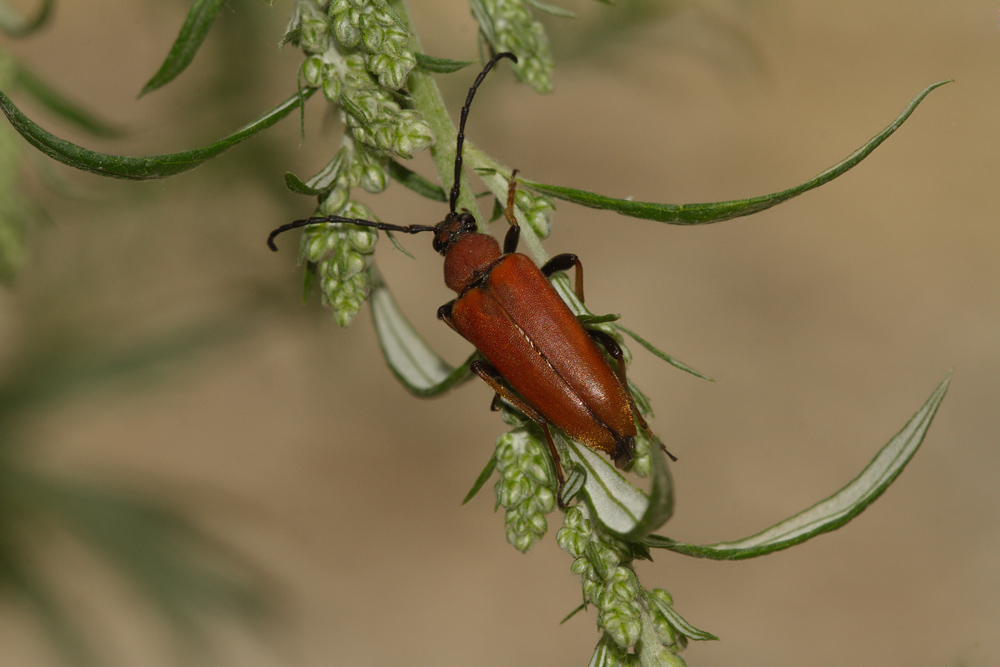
(332, 88)
(313, 71)
(415, 137)
(374, 178)
(313, 35)
(346, 27)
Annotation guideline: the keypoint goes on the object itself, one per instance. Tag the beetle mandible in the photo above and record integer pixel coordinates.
(537, 355)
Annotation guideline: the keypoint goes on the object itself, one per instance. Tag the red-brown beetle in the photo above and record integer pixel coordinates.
(538, 356)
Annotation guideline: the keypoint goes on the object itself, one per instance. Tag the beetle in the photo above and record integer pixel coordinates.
(536, 354)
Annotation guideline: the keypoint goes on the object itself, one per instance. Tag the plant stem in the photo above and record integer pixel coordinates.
(428, 101)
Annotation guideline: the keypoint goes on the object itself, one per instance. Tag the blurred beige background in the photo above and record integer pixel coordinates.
(826, 323)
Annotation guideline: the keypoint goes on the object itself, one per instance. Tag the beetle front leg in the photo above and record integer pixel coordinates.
(493, 378)
(563, 262)
(513, 236)
(444, 314)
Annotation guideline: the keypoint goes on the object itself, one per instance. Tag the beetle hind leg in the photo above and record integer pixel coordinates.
(491, 377)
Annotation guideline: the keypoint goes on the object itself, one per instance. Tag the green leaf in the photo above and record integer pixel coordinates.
(15, 25)
(836, 510)
(589, 320)
(491, 465)
(552, 9)
(62, 107)
(575, 480)
(323, 181)
(663, 355)
(137, 168)
(700, 214)
(678, 622)
(196, 26)
(414, 181)
(574, 613)
(440, 65)
(414, 363)
(620, 507)
(19, 582)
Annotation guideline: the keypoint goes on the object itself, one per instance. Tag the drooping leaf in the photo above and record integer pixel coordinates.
(678, 622)
(414, 363)
(63, 108)
(322, 182)
(414, 181)
(554, 10)
(836, 510)
(620, 507)
(196, 26)
(144, 167)
(440, 65)
(663, 355)
(16, 25)
(700, 214)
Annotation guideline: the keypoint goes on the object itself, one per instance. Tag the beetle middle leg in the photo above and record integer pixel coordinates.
(563, 262)
(491, 377)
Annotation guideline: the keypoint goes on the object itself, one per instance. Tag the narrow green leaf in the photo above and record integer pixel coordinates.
(324, 180)
(678, 622)
(414, 181)
(137, 168)
(575, 479)
(308, 280)
(836, 510)
(20, 583)
(700, 214)
(484, 476)
(440, 65)
(573, 613)
(588, 319)
(397, 245)
(663, 355)
(484, 20)
(16, 25)
(552, 9)
(417, 366)
(196, 26)
(62, 107)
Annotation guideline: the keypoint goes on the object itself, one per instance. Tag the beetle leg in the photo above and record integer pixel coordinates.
(444, 314)
(562, 263)
(611, 346)
(514, 233)
(491, 377)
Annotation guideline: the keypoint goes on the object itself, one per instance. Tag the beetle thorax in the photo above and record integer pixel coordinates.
(468, 259)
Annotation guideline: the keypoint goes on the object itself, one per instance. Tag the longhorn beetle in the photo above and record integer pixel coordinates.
(538, 357)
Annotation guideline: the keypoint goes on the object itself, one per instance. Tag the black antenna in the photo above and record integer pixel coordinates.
(384, 226)
(453, 199)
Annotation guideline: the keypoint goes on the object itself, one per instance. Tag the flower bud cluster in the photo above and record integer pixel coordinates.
(525, 486)
(362, 73)
(374, 115)
(608, 582)
(342, 253)
(374, 28)
(511, 27)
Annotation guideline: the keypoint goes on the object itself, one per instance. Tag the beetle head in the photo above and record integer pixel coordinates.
(453, 227)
